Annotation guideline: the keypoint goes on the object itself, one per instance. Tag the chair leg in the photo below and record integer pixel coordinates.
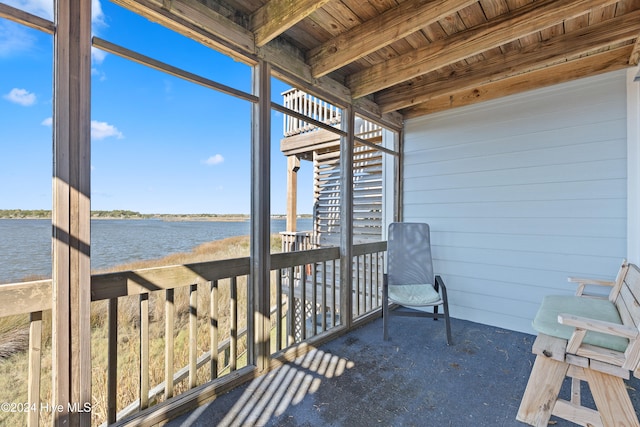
(447, 324)
(385, 313)
(612, 399)
(542, 391)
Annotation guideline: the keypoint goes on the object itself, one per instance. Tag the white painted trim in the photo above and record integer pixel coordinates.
(633, 166)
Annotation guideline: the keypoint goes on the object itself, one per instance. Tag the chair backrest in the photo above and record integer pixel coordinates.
(409, 254)
(626, 297)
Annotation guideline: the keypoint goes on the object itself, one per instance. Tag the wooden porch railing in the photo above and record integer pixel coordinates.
(319, 110)
(193, 309)
(315, 108)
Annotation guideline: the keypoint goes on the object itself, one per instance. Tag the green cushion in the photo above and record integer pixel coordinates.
(546, 320)
(413, 295)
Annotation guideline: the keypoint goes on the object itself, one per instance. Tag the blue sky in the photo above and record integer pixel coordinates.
(159, 144)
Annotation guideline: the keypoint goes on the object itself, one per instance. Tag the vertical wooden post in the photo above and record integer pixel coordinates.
(293, 165)
(71, 214)
(260, 252)
(346, 217)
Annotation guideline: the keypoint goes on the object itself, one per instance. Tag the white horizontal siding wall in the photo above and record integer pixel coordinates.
(521, 193)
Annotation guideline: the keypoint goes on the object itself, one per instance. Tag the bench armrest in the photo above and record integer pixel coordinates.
(582, 283)
(598, 326)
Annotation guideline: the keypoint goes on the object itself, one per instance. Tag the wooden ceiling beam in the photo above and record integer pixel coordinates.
(384, 29)
(544, 54)
(607, 61)
(277, 16)
(198, 22)
(499, 31)
(202, 24)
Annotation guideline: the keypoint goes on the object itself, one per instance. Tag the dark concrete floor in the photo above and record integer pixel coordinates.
(413, 380)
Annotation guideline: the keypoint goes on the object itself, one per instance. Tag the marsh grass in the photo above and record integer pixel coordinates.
(14, 336)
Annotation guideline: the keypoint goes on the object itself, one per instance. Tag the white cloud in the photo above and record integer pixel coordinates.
(41, 8)
(99, 130)
(44, 9)
(14, 38)
(98, 55)
(214, 160)
(97, 16)
(21, 97)
(102, 130)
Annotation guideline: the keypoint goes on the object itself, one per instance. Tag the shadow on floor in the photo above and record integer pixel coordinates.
(413, 380)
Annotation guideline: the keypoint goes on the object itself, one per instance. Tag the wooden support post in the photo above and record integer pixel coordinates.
(346, 217)
(260, 251)
(293, 165)
(71, 214)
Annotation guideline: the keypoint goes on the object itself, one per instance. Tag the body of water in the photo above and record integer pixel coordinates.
(25, 244)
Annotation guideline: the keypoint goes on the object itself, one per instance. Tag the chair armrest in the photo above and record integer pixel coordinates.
(440, 287)
(582, 283)
(610, 328)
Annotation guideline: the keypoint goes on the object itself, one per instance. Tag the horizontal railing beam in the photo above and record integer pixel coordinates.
(25, 298)
(123, 283)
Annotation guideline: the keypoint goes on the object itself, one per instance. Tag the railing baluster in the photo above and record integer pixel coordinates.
(213, 329)
(144, 350)
(314, 299)
(303, 302)
(333, 294)
(193, 335)
(278, 309)
(291, 332)
(35, 363)
(324, 296)
(358, 294)
(233, 346)
(370, 264)
(169, 316)
(112, 359)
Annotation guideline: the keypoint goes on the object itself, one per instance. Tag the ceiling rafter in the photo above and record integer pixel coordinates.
(496, 32)
(195, 20)
(611, 60)
(374, 34)
(544, 54)
(277, 16)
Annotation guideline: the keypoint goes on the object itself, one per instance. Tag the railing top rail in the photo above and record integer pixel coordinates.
(25, 297)
(134, 282)
(289, 259)
(29, 297)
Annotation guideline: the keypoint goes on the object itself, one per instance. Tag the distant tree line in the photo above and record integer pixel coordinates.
(20, 213)
(120, 213)
(46, 214)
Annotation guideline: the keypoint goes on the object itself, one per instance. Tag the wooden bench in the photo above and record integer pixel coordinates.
(594, 339)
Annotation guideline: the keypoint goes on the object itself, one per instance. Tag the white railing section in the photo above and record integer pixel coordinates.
(319, 110)
(315, 108)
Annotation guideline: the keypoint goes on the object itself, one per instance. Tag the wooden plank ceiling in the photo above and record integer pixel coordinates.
(416, 57)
